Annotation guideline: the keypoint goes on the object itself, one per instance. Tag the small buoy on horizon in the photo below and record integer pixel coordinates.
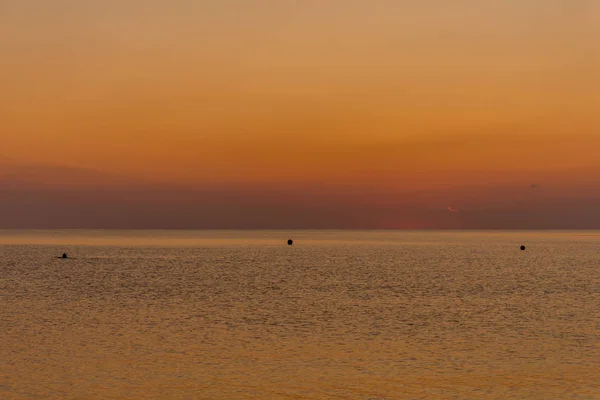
(522, 248)
(290, 242)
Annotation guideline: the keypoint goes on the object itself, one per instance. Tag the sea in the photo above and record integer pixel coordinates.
(365, 315)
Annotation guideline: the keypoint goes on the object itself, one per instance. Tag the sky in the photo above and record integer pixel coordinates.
(299, 114)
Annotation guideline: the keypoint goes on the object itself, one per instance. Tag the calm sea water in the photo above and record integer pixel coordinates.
(339, 315)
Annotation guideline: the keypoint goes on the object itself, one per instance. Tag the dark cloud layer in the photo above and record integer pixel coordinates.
(222, 208)
(65, 197)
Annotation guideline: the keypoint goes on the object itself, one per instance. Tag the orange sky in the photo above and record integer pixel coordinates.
(385, 95)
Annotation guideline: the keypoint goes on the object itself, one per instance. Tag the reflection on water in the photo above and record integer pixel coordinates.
(339, 315)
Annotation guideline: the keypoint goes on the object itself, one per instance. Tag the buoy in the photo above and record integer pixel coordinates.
(522, 247)
(290, 242)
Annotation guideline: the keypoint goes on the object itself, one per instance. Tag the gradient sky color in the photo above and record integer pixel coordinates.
(378, 113)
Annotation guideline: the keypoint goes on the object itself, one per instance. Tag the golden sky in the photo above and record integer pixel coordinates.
(382, 94)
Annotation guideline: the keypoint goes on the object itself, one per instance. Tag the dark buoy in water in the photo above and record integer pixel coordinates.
(522, 248)
(65, 255)
(290, 242)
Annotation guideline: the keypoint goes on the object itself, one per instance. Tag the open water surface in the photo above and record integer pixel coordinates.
(339, 315)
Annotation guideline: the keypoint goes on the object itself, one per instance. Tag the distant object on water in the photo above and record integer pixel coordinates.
(290, 242)
(64, 256)
(522, 247)
(534, 186)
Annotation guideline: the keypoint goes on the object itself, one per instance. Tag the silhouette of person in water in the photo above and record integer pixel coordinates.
(64, 255)
(290, 242)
